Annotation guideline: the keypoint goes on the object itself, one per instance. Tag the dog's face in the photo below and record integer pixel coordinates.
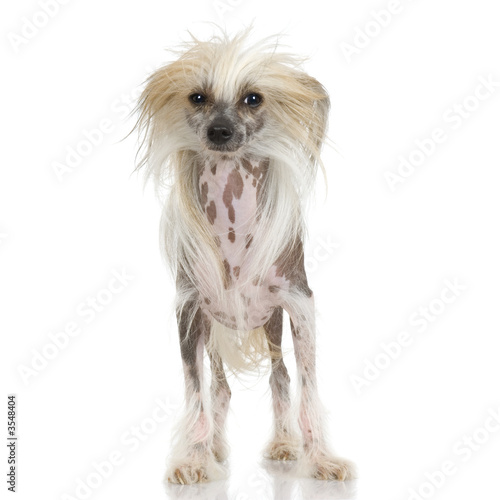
(223, 98)
(226, 122)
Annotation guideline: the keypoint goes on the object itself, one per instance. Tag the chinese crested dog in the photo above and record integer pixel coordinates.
(234, 132)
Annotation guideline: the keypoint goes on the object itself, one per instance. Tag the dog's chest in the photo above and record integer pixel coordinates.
(229, 193)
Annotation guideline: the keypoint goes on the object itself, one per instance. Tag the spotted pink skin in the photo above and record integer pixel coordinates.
(229, 193)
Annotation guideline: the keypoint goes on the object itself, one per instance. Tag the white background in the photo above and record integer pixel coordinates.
(62, 238)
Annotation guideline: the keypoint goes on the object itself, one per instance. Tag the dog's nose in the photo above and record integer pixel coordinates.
(219, 132)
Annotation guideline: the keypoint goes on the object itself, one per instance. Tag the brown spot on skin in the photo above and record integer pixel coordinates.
(295, 331)
(257, 171)
(191, 327)
(223, 318)
(255, 281)
(236, 271)
(248, 239)
(200, 166)
(207, 301)
(263, 167)
(247, 165)
(227, 269)
(204, 194)
(280, 380)
(222, 390)
(213, 168)
(274, 289)
(231, 235)
(233, 189)
(290, 265)
(254, 182)
(211, 212)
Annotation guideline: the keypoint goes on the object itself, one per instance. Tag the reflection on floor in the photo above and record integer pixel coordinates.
(270, 481)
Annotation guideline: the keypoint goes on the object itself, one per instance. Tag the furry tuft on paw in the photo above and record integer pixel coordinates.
(332, 468)
(282, 450)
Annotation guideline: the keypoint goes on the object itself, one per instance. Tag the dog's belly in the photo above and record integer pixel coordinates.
(229, 194)
(247, 306)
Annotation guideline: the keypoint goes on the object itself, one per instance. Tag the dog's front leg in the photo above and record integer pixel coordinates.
(192, 457)
(284, 445)
(221, 394)
(320, 462)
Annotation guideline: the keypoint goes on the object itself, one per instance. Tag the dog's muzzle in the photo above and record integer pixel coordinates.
(220, 132)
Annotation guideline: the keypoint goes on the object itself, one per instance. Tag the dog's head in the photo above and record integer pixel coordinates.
(225, 98)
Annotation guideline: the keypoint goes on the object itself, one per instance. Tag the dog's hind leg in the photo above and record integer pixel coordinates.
(221, 394)
(284, 444)
(319, 461)
(192, 458)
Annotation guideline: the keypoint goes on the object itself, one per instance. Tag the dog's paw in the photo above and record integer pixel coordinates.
(328, 467)
(196, 471)
(187, 474)
(282, 449)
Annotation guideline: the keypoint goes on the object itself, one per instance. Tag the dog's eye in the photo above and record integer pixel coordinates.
(253, 100)
(197, 98)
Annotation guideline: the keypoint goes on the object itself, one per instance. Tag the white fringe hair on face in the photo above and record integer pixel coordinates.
(296, 117)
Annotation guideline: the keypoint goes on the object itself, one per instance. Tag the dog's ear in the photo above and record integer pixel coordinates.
(317, 121)
(161, 97)
(159, 89)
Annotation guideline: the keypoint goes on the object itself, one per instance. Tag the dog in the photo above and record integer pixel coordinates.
(233, 132)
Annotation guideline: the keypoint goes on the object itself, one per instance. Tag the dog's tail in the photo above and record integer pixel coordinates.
(241, 351)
